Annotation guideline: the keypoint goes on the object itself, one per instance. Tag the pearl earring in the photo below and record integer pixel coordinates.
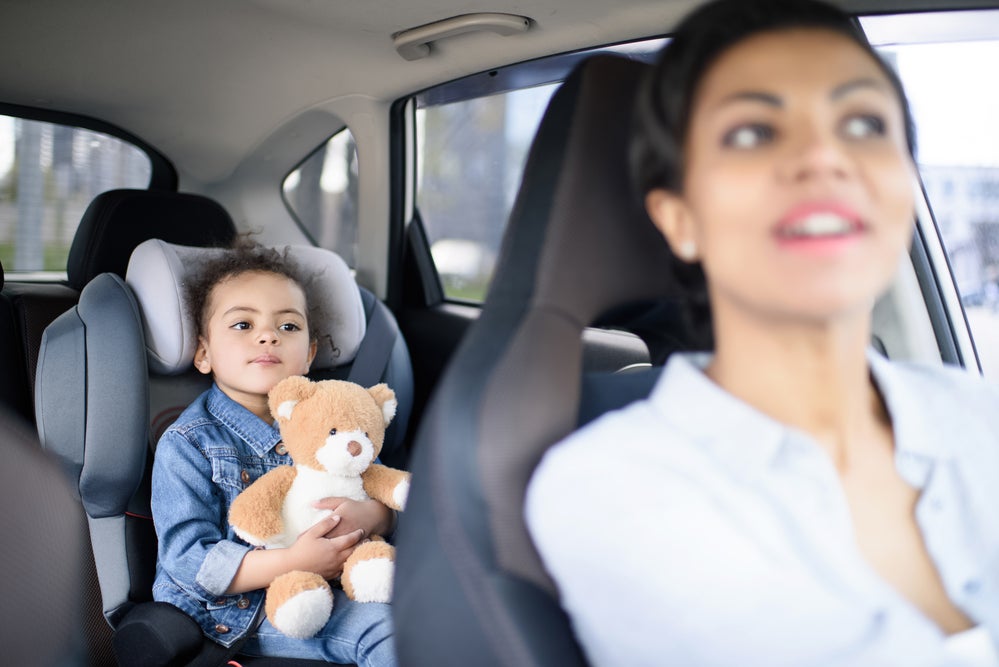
(688, 250)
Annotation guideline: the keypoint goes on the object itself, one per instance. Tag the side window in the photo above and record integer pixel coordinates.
(468, 174)
(945, 62)
(322, 195)
(49, 173)
(472, 140)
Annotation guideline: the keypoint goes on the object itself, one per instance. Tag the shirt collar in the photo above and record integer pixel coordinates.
(737, 434)
(745, 439)
(922, 422)
(259, 436)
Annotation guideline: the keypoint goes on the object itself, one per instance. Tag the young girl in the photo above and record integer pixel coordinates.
(808, 502)
(253, 331)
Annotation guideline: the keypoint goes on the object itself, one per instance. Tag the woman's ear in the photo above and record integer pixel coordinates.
(674, 221)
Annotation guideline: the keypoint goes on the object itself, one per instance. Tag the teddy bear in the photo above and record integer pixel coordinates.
(333, 431)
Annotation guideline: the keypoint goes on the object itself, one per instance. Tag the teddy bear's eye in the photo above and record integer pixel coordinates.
(332, 431)
(366, 435)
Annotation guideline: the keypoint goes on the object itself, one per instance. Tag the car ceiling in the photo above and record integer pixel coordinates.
(206, 82)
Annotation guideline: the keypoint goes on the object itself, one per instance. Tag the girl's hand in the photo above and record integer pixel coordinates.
(369, 515)
(314, 552)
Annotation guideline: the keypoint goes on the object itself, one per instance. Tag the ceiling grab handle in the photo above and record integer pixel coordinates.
(414, 43)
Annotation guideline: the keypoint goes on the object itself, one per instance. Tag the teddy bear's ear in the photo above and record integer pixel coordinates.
(287, 393)
(385, 398)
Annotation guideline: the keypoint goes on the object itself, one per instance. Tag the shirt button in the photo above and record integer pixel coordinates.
(243, 603)
(221, 629)
(936, 504)
(245, 476)
(972, 586)
(281, 449)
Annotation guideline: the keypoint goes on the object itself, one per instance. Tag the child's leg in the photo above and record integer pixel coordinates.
(357, 632)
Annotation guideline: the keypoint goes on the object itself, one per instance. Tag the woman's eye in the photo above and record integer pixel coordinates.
(863, 126)
(748, 136)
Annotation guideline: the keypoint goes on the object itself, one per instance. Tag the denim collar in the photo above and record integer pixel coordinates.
(742, 438)
(259, 436)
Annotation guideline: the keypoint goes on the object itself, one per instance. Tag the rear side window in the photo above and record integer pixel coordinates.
(322, 195)
(49, 173)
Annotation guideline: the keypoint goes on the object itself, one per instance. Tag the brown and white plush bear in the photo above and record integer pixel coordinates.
(333, 431)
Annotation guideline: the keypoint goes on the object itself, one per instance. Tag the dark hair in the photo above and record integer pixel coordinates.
(665, 99)
(245, 256)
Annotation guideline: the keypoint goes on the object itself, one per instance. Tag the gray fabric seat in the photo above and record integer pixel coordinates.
(470, 586)
(107, 385)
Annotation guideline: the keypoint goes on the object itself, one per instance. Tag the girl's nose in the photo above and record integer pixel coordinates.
(267, 336)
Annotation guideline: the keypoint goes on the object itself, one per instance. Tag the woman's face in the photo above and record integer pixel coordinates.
(798, 185)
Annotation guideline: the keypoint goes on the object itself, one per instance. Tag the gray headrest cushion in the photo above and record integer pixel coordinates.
(157, 272)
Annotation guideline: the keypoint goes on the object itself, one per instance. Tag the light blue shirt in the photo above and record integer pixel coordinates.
(744, 553)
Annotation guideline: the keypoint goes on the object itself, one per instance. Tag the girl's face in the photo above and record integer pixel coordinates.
(256, 335)
(798, 185)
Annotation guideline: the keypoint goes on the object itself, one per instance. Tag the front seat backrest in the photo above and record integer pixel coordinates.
(470, 587)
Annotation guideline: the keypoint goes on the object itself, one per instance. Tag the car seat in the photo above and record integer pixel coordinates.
(111, 377)
(470, 586)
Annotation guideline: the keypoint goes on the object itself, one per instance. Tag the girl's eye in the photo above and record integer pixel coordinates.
(290, 326)
(240, 326)
(863, 126)
(748, 136)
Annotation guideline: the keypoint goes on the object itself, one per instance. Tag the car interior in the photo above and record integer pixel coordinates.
(456, 175)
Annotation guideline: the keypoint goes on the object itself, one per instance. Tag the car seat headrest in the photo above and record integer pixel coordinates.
(118, 220)
(157, 272)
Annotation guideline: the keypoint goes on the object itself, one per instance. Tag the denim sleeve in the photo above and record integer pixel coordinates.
(190, 515)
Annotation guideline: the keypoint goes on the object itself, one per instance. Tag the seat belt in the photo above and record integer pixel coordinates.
(375, 351)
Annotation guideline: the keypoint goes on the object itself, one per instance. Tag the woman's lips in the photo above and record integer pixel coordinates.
(819, 227)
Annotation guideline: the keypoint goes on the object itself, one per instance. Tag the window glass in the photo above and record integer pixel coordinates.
(472, 140)
(48, 175)
(468, 177)
(322, 195)
(947, 76)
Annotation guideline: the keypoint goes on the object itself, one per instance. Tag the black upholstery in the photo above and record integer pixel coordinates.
(470, 587)
(114, 223)
(118, 220)
(14, 390)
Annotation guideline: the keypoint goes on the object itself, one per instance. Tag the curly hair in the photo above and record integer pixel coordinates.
(245, 256)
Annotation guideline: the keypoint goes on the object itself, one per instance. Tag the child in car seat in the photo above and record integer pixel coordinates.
(805, 501)
(254, 329)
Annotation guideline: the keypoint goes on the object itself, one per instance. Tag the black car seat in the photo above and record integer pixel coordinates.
(114, 223)
(100, 405)
(470, 586)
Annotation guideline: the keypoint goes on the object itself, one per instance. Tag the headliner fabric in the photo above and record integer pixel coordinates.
(157, 273)
(118, 220)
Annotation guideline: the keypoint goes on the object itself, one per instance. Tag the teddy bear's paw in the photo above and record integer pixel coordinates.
(401, 493)
(299, 603)
(304, 614)
(371, 580)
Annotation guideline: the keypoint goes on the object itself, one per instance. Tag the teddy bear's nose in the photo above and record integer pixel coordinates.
(354, 447)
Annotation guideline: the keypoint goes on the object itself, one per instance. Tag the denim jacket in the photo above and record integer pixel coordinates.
(214, 450)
